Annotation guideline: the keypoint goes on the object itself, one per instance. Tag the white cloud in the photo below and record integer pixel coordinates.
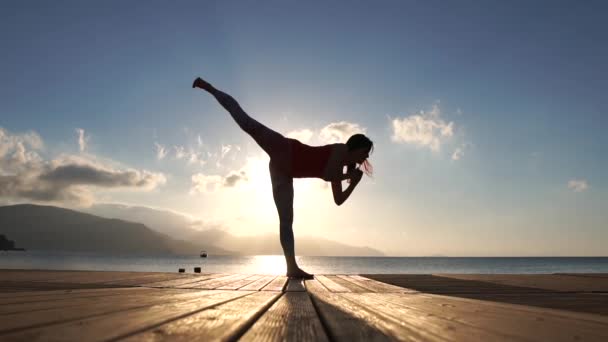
(303, 135)
(161, 151)
(339, 132)
(180, 152)
(425, 129)
(25, 175)
(83, 140)
(191, 155)
(458, 153)
(195, 157)
(202, 183)
(578, 185)
(225, 150)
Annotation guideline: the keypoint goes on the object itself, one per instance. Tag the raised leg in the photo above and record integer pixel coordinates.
(273, 143)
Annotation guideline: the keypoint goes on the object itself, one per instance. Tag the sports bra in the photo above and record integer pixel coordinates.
(308, 161)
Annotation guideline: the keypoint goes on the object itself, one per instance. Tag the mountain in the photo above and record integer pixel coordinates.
(50, 228)
(186, 228)
(176, 225)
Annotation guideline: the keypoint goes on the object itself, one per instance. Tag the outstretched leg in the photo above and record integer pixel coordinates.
(282, 191)
(273, 143)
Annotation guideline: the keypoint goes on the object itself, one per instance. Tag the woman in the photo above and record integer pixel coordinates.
(291, 159)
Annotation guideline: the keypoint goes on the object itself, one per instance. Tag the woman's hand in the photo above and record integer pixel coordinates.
(356, 175)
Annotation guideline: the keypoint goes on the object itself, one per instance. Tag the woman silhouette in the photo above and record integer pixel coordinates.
(291, 159)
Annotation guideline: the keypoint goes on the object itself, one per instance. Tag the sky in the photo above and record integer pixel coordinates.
(488, 117)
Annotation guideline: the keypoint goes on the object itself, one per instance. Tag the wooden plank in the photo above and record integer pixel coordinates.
(429, 326)
(554, 282)
(193, 285)
(469, 319)
(224, 322)
(91, 277)
(27, 320)
(330, 284)
(219, 282)
(188, 279)
(63, 301)
(138, 281)
(235, 285)
(258, 284)
(348, 321)
(295, 285)
(291, 318)
(446, 285)
(349, 285)
(124, 323)
(593, 303)
(203, 279)
(375, 286)
(37, 275)
(52, 295)
(278, 284)
(602, 319)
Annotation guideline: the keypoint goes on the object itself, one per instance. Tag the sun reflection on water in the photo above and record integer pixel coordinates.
(267, 264)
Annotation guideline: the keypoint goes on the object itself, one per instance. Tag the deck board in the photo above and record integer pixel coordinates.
(216, 282)
(375, 286)
(278, 284)
(291, 318)
(295, 285)
(149, 306)
(123, 323)
(346, 283)
(258, 284)
(223, 322)
(331, 285)
(349, 321)
(235, 285)
(182, 280)
(490, 322)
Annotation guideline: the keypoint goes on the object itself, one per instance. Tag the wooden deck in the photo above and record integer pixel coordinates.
(138, 306)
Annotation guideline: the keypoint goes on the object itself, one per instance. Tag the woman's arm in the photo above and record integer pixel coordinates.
(336, 187)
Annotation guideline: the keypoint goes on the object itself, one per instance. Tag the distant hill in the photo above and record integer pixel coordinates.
(184, 228)
(50, 228)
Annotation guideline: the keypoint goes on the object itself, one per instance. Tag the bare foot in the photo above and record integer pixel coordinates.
(200, 83)
(299, 274)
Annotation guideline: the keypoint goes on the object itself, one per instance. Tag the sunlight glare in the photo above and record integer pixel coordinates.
(268, 264)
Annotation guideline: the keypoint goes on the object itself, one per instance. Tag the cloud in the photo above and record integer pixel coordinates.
(339, 132)
(578, 185)
(70, 171)
(225, 150)
(425, 129)
(25, 175)
(303, 135)
(83, 140)
(180, 152)
(202, 183)
(9, 142)
(190, 155)
(458, 153)
(161, 151)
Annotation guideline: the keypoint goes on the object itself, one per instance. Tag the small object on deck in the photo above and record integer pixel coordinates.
(182, 270)
(203, 254)
(197, 270)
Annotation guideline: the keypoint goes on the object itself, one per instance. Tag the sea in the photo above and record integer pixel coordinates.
(275, 264)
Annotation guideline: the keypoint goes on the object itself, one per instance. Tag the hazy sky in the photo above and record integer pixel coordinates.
(488, 118)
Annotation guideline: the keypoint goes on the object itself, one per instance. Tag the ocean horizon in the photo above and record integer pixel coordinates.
(275, 264)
